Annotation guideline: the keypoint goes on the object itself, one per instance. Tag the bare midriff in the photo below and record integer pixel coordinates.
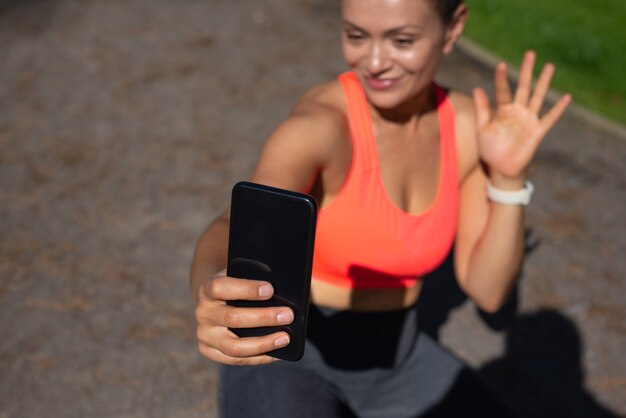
(364, 300)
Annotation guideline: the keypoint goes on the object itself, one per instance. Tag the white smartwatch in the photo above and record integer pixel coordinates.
(507, 197)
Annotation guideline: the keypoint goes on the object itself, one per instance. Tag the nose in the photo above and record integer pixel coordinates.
(377, 59)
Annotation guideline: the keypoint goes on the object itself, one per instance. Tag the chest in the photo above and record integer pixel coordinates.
(409, 164)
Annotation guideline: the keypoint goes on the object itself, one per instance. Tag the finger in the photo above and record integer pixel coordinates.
(233, 348)
(525, 78)
(503, 91)
(229, 288)
(219, 357)
(541, 89)
(550, 118)
(481, 103)
(235, 317)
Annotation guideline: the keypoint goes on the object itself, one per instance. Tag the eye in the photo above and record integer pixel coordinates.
(354, 37)
(403, 42)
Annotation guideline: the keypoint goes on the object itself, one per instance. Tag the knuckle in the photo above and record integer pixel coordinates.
(204, 313)
(269, 317)
(200, 312)
(202, 335)
(238, 361)
(213, 288)
(224, 346)
(232, 318)
(205, 351)
(233, 350)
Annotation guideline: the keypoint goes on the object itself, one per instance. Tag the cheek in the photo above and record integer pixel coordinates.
(410, 59)
(351, 54)
(418, 59)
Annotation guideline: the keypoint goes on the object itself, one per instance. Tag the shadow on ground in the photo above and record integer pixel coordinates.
(540, 373)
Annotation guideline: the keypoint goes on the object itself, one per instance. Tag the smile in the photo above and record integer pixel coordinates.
(380, 83)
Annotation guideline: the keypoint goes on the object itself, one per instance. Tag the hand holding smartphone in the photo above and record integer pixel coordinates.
(271, 238)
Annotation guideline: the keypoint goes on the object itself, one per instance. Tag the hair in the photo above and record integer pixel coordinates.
(446, 9)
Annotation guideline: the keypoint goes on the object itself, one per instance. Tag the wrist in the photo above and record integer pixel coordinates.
(507, 183)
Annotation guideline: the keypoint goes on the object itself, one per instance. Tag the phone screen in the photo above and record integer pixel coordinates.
(272, 234)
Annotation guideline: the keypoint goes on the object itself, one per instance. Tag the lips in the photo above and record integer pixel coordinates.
(376, 83)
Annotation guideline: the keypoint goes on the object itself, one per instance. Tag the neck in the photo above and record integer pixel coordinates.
(408, 112)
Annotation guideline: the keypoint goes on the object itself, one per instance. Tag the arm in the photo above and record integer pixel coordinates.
(490, 237)
(291, 159)
(288, 160)
(489, 246)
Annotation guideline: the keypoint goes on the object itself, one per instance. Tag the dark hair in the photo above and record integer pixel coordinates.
(446, 9)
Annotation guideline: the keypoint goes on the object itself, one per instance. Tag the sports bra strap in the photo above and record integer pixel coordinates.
(364, 150)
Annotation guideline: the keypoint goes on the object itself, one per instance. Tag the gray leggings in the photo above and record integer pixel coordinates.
(362, 365)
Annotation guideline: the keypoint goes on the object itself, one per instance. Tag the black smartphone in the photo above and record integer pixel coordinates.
(271, 238)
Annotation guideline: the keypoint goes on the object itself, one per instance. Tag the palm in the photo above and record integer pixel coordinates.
(508, 142)
(509, 135)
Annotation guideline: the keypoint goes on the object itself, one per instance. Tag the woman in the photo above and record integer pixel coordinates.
(401, 169)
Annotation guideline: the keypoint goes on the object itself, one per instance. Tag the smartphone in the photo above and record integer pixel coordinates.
(271, 238)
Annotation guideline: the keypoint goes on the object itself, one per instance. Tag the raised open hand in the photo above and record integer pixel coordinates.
(509, 135)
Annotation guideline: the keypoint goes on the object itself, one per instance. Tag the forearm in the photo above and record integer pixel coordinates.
(210, 254)
(496, 260)
(497, 256)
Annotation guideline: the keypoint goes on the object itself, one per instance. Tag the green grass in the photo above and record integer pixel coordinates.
(586, 40)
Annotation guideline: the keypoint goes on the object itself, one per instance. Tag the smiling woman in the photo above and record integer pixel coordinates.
(394, 161)
(389, 35)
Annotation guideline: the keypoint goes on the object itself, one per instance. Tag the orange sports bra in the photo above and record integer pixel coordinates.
(363, 239)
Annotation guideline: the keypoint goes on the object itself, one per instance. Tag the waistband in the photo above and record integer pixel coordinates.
(350, 340)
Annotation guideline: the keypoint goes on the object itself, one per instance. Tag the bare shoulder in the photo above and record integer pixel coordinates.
(307, 141)
(318, 119)
(322, 104)
(465, 116)
(463, 106)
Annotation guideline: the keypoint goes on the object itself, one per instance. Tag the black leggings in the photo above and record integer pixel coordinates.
(359, 365)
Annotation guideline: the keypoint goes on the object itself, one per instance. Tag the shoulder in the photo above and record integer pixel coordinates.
(463, 108)
(317, 121)
(465, 120)
(310, 139)
(322, 105)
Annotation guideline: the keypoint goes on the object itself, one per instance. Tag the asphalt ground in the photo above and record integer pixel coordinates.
(123, 126)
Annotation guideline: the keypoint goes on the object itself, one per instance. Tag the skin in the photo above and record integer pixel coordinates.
(394, 47)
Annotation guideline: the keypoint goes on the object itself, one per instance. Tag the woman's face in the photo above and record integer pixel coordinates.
(394, 47)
